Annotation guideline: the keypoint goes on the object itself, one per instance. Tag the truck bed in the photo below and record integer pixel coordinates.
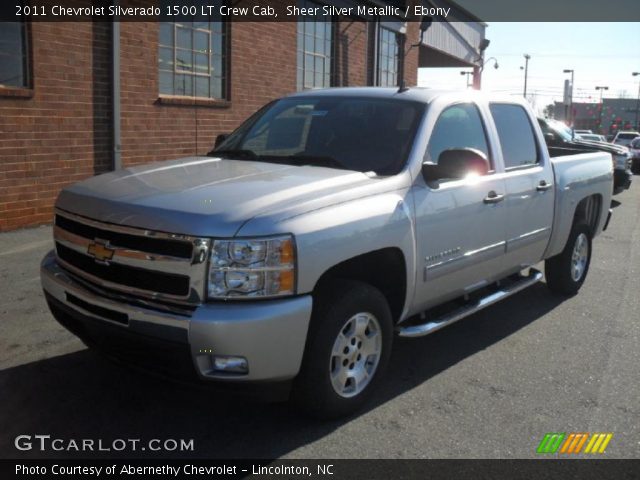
(578, 176)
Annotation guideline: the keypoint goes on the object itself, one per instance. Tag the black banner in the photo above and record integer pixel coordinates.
(582, 469)
(292, 10)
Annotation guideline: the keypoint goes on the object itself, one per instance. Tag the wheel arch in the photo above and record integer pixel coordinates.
(589, 210)
(384, 269)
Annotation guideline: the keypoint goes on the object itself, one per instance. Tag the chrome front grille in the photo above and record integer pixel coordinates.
(143, 263)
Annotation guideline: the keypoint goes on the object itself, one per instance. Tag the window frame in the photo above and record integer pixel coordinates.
(399, 58)
(536, 141)
(26, 88)
(193, 51)
(223, 77)
(301, 51)
(490, 154)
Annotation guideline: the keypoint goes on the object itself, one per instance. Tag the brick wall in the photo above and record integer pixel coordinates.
(60, 131)
(352, 60)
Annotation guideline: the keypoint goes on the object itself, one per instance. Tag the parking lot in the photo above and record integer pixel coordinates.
(489, 386)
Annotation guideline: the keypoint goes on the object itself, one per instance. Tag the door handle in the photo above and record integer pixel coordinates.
(493, 197)
(543, 186)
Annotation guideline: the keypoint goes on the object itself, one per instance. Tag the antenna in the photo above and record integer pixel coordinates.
(403, 86)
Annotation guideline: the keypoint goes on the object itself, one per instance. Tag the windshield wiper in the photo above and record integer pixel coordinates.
(241, 154)
(315, 160)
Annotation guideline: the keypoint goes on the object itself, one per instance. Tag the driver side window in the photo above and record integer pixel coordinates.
(458, 126)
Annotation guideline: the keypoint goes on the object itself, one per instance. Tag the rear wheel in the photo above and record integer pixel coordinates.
(566, 272)
(347, 351)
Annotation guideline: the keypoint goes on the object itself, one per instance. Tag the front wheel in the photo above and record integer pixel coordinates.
(347, 351)
(566, 272)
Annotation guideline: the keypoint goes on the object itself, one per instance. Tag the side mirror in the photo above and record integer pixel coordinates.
(219, 139)
(456, 163)
(549, 137)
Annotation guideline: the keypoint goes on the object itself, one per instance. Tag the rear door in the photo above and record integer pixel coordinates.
(529, 185)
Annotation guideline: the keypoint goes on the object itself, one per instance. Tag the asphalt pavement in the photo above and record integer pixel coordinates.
(490, 386)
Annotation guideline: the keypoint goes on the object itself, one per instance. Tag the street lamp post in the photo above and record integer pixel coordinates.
(468, 74)
(526, 71)
(635, 74)
(568, 108)
(602, 89)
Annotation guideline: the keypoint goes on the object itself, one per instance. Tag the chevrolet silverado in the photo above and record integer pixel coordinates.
(327, 223)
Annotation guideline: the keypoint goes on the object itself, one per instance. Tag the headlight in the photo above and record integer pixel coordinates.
(261, 267)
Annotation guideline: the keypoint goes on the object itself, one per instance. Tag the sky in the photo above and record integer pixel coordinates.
(601, 54)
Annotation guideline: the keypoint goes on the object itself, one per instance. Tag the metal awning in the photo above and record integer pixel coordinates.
(453, 41)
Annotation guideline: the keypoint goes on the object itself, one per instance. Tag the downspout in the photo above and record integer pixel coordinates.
(115, 93)
(376, 40)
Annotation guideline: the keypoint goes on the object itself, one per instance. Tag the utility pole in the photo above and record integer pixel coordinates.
(602, 89)
(635, 74)
(526, 72)
(568, 108)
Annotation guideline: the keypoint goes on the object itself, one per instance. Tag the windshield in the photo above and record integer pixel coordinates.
(362, 134)
(557, 129)
(636, 143)
(627, 136)
(561, 129)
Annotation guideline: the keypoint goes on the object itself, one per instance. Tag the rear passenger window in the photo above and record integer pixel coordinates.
(458, 126)
(516, 135)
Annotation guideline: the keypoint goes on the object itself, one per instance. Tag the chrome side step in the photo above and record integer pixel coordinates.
(462, 312)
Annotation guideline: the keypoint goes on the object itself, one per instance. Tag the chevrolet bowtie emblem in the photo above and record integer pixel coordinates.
(100, 250)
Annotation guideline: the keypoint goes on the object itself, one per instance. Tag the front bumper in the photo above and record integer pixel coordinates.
(621, 180)
(270, 334)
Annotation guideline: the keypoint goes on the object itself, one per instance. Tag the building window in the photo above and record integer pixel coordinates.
(192, 59)
(14, 56)
(390, 46)
(315, 39)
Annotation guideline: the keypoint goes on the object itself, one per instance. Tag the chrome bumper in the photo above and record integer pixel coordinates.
(270, 334)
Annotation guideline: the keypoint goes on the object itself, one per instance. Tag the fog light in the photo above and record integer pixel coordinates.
(230, 364)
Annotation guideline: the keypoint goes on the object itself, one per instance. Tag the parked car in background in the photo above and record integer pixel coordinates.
(624, 138)
(558, 135)
(590, 137)
(634, 149)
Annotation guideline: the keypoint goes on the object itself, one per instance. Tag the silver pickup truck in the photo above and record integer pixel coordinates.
(327, 223)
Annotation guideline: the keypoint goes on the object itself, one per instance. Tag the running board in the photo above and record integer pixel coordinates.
(441, 322)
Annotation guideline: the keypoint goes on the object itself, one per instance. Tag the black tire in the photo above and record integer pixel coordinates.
(313, 391)
(558, 269)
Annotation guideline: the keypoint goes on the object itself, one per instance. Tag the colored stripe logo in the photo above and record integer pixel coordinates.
(573, 443)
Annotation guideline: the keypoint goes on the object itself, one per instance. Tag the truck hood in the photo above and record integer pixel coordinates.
(203, 196)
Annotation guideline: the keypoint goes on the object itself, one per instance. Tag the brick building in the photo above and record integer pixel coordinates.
(607, 118)
(82, 98)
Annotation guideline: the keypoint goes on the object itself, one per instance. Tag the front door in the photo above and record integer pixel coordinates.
(460, 225)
